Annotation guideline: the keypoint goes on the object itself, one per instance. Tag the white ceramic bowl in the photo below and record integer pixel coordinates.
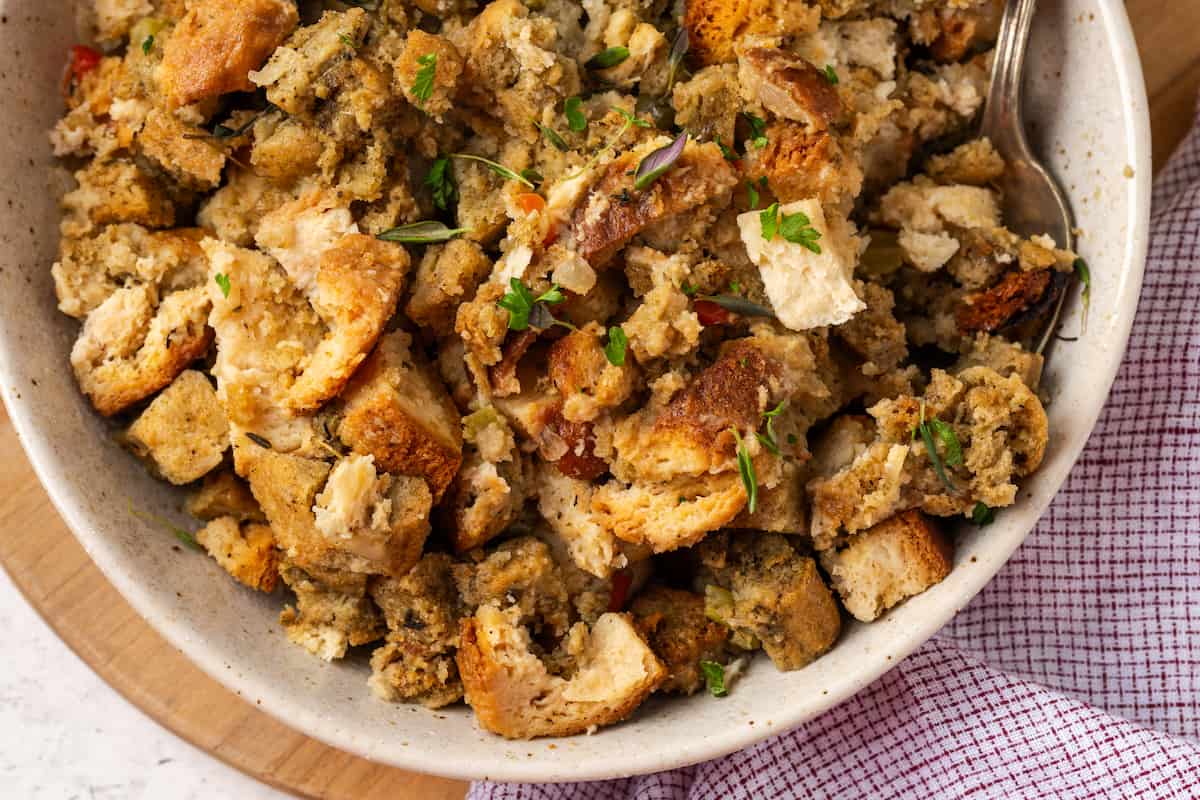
(1087, 108)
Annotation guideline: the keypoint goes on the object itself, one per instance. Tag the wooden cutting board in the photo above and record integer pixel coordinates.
(60, 581)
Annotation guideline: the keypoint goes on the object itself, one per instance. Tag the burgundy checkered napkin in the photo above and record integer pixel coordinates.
(1076, 672)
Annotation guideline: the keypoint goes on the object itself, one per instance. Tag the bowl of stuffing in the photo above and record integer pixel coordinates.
(548, 390)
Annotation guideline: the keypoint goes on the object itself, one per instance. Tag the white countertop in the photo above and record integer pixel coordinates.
(65, 734)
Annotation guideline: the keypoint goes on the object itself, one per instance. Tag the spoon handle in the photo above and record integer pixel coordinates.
(1003, 110)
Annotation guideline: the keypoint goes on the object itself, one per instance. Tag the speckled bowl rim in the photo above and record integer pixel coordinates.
(689, 746)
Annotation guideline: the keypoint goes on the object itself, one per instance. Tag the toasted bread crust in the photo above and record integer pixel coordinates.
(217, 44)
(990, 309)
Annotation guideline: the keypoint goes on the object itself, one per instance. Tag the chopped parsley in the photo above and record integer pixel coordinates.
(147, 44)
(576, 120)
(752, 190)
(830, 75)
(943, 431)
(767, 438)
(426, 232)
(1085, 279)
(187, 538)
(983, 514)
(499, 169)
(726, 153)
(925, 431)
(614, 349)
(521, 304)
(714, 678)
(796, 228)
(688, 289)
(345, 39)
(746, 470)
(440, 181)
(758, 130)
(222, 280)
(606, 59)
(630, 119)
(422, 88)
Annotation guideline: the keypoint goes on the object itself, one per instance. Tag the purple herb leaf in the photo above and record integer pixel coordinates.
(659, 162)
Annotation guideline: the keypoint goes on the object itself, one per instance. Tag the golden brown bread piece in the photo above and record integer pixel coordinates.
(604, 222)
(329, 619)
(183, 432)
(416, 662)
(588, 382)
(131, 345)
(780, 596)
(223, 494)
(800, 163)
(244, 550)
(990, 309)
(397, 410)
(181, 150)
(888, 563)
(111, 192)
(218, 43)
(447, 275)
(673, 623)
(790, 87)
(514, 695)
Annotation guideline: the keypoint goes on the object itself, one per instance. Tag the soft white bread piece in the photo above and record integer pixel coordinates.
(888, 563)
(183, 432)
(515, 696)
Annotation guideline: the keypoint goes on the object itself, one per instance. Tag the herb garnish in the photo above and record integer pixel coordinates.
(576, 120)
(796, 228)
(183, 536)
(425, 232)
(925, 430)
(739, 305)
(422, 88)
(147, 44)
(441, 181)
(608, 58)
(983, 514)
(714, 678)
(752, 191)
(499, 169)
(614, 350)
(658, 162)
(830, 75)
(687, 288)
(679, 49)
(521, 304)
(726, 153)
(768, 439)
(746, 470)
(261, 441)
(345, 39)
(552, 136)
(222, 280)
(221, 132)
(1085, 278)
(630, 120)
(758, 130)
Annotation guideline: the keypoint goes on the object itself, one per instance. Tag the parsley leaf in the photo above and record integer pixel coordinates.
(746, 470)
(614, 350)
(1085, 278)
(422, 88)
(520, 304)
(576, 120)
(687, 288)
(983, 514)
(751, 195)
(758, 130)
(608, 58)
(188, 539)
(714, 678)
(346, 40)
(954, 453)
(499, 169)
(769, 219)
(222, 280)
(830, 75)
(726, 153)
(925, 431)
(630, 119)
(797, 228)
(768, 438)
(441, 181)
(147, 44)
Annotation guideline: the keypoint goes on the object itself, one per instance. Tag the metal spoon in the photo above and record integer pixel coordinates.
(1033, 201)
